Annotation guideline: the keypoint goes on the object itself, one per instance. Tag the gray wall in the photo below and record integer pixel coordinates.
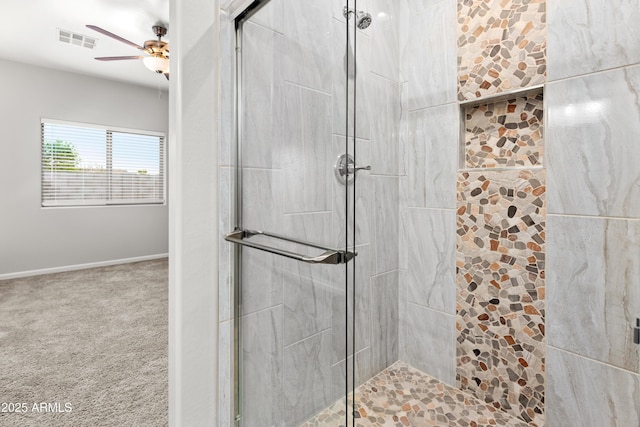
(34, 238)
(193, 154)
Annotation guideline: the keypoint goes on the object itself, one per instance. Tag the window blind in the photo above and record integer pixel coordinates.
(89, 165)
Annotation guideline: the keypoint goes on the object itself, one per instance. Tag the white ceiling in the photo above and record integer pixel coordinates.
(29, 34)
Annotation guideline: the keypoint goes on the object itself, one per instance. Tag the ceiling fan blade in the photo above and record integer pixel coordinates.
(114, 36)
(166, 75)
(117, 58)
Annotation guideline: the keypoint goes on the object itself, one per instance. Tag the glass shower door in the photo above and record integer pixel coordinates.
(295, 250)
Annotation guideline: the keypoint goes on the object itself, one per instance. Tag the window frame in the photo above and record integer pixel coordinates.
(46, 204)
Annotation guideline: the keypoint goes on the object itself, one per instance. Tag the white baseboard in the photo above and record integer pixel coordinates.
(79, 266)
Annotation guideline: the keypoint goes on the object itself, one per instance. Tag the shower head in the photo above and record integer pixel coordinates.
(363, 19)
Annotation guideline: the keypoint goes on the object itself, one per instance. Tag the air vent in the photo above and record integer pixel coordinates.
(69, 37)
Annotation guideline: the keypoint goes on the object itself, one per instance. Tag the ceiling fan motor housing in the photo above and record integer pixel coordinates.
(155, 46)
(159, 31)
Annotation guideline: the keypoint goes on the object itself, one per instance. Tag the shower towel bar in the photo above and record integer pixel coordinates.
(329, 256)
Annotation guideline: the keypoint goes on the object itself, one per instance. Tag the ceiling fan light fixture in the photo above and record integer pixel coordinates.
(157, 63)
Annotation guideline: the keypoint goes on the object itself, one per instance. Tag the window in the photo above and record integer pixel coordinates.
(89, 165)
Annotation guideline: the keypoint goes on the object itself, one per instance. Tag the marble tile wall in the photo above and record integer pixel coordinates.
(429, 128)
(431, 157)
(384, 34)
(306, 377)
(428, 258)
(501, 46)
(262, 362)
(340, 107)
(386, 223)
(379, 69)
(385, 124)
(594, 81)
(593, 263)
(592, 35)
(590, 394)
(428, 52)
(262, 130)
(429, 341)
(366, 317)
(307, 43)
(384, 321)
(593, 164)
(306, 145)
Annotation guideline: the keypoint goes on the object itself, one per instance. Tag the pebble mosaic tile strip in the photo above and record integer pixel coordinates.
(402, 396)
(501, 46)
(500, 355)
(504, 134)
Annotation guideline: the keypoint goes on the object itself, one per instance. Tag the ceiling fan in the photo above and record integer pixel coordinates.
(157, 59)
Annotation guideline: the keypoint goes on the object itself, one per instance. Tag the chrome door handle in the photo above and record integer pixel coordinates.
(329, 256)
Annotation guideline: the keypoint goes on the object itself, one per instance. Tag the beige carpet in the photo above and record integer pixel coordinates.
(93, 341)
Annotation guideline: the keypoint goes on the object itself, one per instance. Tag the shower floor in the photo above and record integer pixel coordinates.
(404, 396)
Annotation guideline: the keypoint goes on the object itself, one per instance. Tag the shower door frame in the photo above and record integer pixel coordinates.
(243, 11)
(249, 7)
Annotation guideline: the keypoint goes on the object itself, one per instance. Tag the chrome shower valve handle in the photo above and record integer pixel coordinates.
(358, 168)
(345, 169)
